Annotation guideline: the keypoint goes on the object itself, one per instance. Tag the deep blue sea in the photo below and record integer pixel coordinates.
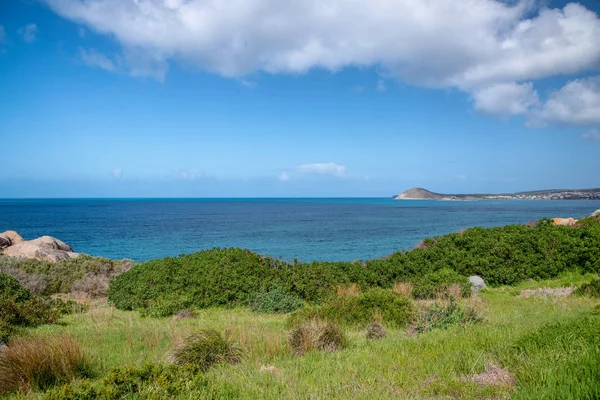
(306, 229)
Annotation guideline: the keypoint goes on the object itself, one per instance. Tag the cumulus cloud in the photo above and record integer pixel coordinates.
(94, 59)
(117, 173)
(28, 32)
(381, 87)
(506, 99)
(322, 169)
(576, 103)
(593, 134)
(491, 49)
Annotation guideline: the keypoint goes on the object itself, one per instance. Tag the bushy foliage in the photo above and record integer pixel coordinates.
(19, 309)
(316, 334)
(207, 348)
(275, 301)
(60, 276)
(39, 363)
(590, 289)
(428, 285)
(445, 315)
(34, 283)
(230, 277)
(376, 331)
(376, 304)
(150, 381)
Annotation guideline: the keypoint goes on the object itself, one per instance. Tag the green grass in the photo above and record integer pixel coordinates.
(399, 366)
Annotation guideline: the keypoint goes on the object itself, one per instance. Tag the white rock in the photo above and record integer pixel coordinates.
(477, 283)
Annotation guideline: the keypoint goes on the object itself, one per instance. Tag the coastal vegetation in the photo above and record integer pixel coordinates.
(229, 323)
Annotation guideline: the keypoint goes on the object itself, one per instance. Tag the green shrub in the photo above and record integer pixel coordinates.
(58, 277)
(232, 277)
(443, 316)
(156, 381)
(11, 289)
(590, 289)
(427, 286)
(376, 304)
(376, 331)
(207, 348)
(275, 301)
(39, 363)
(316, 334)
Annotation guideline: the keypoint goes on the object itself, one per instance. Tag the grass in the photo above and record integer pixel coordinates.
(432, 364)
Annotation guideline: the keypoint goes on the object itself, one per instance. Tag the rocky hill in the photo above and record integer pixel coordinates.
(558, 194)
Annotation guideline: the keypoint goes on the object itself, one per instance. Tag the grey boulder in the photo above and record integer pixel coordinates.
(477, 283)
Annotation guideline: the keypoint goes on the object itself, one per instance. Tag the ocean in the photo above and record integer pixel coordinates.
(304, 229)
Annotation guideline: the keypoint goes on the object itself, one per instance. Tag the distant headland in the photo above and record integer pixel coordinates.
(555, 194)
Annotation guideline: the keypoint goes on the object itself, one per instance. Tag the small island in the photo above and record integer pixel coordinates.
(553, 194)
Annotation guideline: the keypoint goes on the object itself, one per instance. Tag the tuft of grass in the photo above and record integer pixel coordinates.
(590, 289)
(442, 315)
(349, 290)
(316, 334)
(40, 363)
(403, 288)
(206, 348)
(376, 331)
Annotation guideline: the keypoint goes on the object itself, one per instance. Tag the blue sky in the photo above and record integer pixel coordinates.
(174, 98)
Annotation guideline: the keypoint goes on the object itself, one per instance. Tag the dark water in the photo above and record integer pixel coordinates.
(306, 229)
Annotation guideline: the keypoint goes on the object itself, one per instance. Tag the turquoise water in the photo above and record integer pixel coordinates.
(306, 229)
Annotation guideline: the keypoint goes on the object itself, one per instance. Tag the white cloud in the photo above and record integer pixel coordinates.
(249, 84)
(188, 174)
(117, 173)
(576, 103)
(381, 86)
(284, 177)
(593, 134)
(491, 49)
(506, 99)
(323, 169)
(28, 32)
(94, 59)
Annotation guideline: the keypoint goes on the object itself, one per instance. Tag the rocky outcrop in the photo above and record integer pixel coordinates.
(595, 214)
(45, 248)
(564, 221)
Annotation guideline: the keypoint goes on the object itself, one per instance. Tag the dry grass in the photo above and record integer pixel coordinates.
(39, 363)
(316, 334)
(351, 290)
(376, 331)
(493, 376)
(403, 288)
(206, 348)
(447, 292)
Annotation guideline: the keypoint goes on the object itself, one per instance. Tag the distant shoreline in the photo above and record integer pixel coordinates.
(554, 194)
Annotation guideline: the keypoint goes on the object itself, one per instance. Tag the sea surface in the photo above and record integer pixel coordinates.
(303, 229)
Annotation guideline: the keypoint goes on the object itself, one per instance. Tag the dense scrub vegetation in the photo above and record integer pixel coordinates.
(82, 274)
(20, 309)
(233, 277)
(374, 305)
(591, 289)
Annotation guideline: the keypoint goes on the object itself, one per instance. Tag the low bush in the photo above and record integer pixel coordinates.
(34, 283)
(39, 363)
(376, 304)
(590, 289)
(443, 316)
(275, 301)
(430, 285)
(58, 277)
(155, 381)
(10, 288)
(207, 348)
(231, 277)
(316, 334)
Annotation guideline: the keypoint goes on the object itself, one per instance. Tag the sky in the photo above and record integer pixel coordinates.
(298, 98)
